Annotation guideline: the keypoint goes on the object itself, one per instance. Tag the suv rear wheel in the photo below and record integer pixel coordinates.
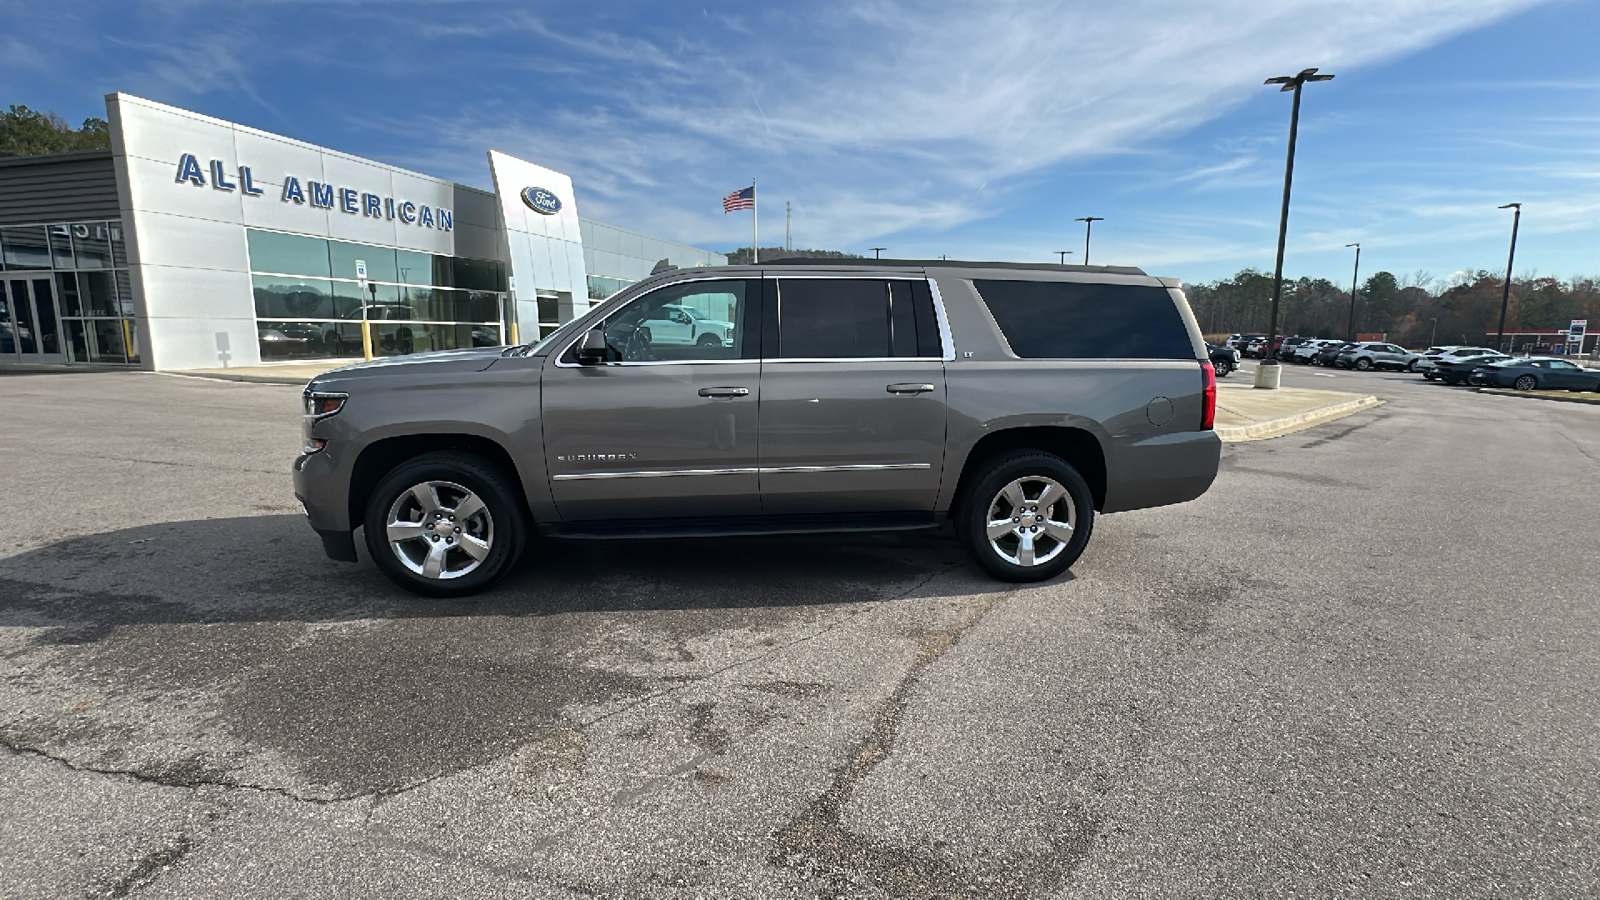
(1027, 517)
(445, 524)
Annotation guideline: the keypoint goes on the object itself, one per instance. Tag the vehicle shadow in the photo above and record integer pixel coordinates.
(271, 568)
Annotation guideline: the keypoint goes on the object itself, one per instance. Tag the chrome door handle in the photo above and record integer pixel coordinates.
(909, 388)
(724, 392)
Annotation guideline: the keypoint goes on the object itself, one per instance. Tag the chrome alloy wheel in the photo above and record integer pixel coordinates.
(1030, 521)
(439, 529)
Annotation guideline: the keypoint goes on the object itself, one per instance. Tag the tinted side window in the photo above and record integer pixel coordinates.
(695, 321)
(835, 318)
(1064, 320)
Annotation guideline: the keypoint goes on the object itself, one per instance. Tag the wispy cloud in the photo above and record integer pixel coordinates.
(885, 106)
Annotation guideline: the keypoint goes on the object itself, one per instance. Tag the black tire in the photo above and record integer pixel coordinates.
(1363, 364)
(1411, 366)
(507, 529)
(1221, 367)
(709, 340)
(1525, 383)
(1429, 375)
(995, 475)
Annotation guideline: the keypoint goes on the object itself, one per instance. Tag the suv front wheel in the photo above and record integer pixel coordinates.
(445, 524)
(1027, 517)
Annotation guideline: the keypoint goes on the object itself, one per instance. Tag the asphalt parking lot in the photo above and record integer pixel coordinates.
(1366, 663)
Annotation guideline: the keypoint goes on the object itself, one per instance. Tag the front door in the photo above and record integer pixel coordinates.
(852, 397)
(662, 429)
(30, 331)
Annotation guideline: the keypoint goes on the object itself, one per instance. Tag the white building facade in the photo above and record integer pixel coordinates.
(200, 243)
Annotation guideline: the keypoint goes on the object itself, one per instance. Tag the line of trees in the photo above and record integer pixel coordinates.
(26, 132)
(1467, 307)
(741, 256)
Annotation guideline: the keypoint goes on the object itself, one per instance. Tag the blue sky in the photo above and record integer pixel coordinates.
(975, 130)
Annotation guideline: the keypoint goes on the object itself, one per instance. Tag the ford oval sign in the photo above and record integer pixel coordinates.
(541, 201)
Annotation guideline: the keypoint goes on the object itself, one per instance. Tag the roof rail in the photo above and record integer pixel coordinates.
(950, 264)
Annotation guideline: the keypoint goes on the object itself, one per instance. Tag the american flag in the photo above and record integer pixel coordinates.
(743, 198)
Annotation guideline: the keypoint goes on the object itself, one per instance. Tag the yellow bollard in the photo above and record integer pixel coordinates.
(366, 339)
(514, 338)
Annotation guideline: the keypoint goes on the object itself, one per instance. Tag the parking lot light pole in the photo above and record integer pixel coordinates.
(1088, 226)
(1355, 279)
(877, 252)
(1267, 373)
(1505, 292)
(1435, 334)
(1064, 254)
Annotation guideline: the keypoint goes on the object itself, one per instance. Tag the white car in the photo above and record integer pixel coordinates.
(1307, 351)
(687, 326)
(1446, 354)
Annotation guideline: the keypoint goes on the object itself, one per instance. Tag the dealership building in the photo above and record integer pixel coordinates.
(198, 243)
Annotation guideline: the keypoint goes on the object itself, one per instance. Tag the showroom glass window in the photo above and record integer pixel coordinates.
(310, 303)
(78, 292)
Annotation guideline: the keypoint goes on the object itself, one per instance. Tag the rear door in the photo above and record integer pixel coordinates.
(852, 396)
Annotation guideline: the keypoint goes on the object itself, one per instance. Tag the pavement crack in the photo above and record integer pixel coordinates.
(766, 654)
(819, 847)
(1581, 449)
(150, 866)
(187, 778)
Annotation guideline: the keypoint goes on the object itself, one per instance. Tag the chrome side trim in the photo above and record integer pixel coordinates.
(655, 362)
(871, 467)
(945, 336)
(764, 470)
(657, 473)
(852, 359)
(616, 301)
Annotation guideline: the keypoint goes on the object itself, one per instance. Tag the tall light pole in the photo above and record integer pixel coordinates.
(877, 252)
(1355, 279)
(1435, 335)
(1267, 373)
(1064, 254)
(1505, 293)
(1088, 226)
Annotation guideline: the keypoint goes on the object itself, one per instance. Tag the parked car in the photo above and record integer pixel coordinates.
(842, 403)
(1306, 352)
(682, 325)
(1435, 355)
(1253, 345)
(1223, 359)
(1540, 373)
(1327, 355)
(1457, 371)
(287, 338)
(1377, 355)
(1285, 350)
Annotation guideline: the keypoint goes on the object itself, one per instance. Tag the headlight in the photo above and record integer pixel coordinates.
(319, 404)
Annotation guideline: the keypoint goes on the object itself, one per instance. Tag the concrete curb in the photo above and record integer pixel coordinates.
(1558, 396)
(251, 378)
(1271, 428)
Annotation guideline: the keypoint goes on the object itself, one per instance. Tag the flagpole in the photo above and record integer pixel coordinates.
(755, 224)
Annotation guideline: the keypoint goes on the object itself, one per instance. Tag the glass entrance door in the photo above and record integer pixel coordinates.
(30, 330)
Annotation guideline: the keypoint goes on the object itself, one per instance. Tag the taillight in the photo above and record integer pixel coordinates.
(1208, 410)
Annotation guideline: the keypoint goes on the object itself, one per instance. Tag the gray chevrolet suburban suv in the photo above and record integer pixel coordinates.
(1013, 401)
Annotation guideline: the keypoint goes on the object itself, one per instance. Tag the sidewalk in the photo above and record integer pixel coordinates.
(1559, 396)
(1246, 414)
(270, 373)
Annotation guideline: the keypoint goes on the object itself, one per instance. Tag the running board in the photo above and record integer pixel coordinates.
(741, 526)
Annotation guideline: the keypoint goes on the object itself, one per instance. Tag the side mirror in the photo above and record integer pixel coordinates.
(592, 350)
